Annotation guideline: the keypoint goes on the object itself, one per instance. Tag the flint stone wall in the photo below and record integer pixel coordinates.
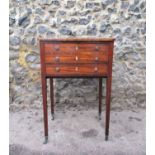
(121, 19)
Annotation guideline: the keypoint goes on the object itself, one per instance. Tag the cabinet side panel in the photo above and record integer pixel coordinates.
(42, 58)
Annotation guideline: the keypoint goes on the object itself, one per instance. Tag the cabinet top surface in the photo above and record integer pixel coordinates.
(79, 39)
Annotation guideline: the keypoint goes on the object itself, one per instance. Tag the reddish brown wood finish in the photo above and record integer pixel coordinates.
(76, 53)
(76, 57)
(70, 48)
(44, 89)
(77, 70)
(108, 90)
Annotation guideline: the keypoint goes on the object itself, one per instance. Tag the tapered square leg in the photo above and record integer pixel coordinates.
(45, 113)
(100, 97)
(108, 97)
(52, 98)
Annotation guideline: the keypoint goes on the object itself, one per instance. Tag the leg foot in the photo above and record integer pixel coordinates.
(46, 140)
(99, 115)
(106, 137)
(52, 114)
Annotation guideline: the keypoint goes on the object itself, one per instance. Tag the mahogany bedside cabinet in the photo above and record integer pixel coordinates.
(76, 58)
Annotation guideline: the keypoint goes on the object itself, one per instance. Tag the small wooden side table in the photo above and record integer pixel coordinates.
(76, 58)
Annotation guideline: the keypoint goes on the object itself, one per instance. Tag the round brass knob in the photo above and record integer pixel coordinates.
(76, 58)
(96, 58)
(57, 59)
(57, 69)
(96, 69)
(57, 48)
(76, 48)
(96, 48)
(76, 68)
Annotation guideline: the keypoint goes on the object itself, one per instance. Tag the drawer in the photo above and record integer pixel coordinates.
(70, 48)
(57, 48)
(76, 53)
(86, 57)
(89, 69)
(93, 48)
(92, 57)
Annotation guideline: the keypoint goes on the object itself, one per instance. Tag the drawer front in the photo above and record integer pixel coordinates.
(93, 48)
(96, 69)
(58, 48)
(76, 53)
(76, 58)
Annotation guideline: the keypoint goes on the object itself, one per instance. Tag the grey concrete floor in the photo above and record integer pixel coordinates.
(76, 132)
